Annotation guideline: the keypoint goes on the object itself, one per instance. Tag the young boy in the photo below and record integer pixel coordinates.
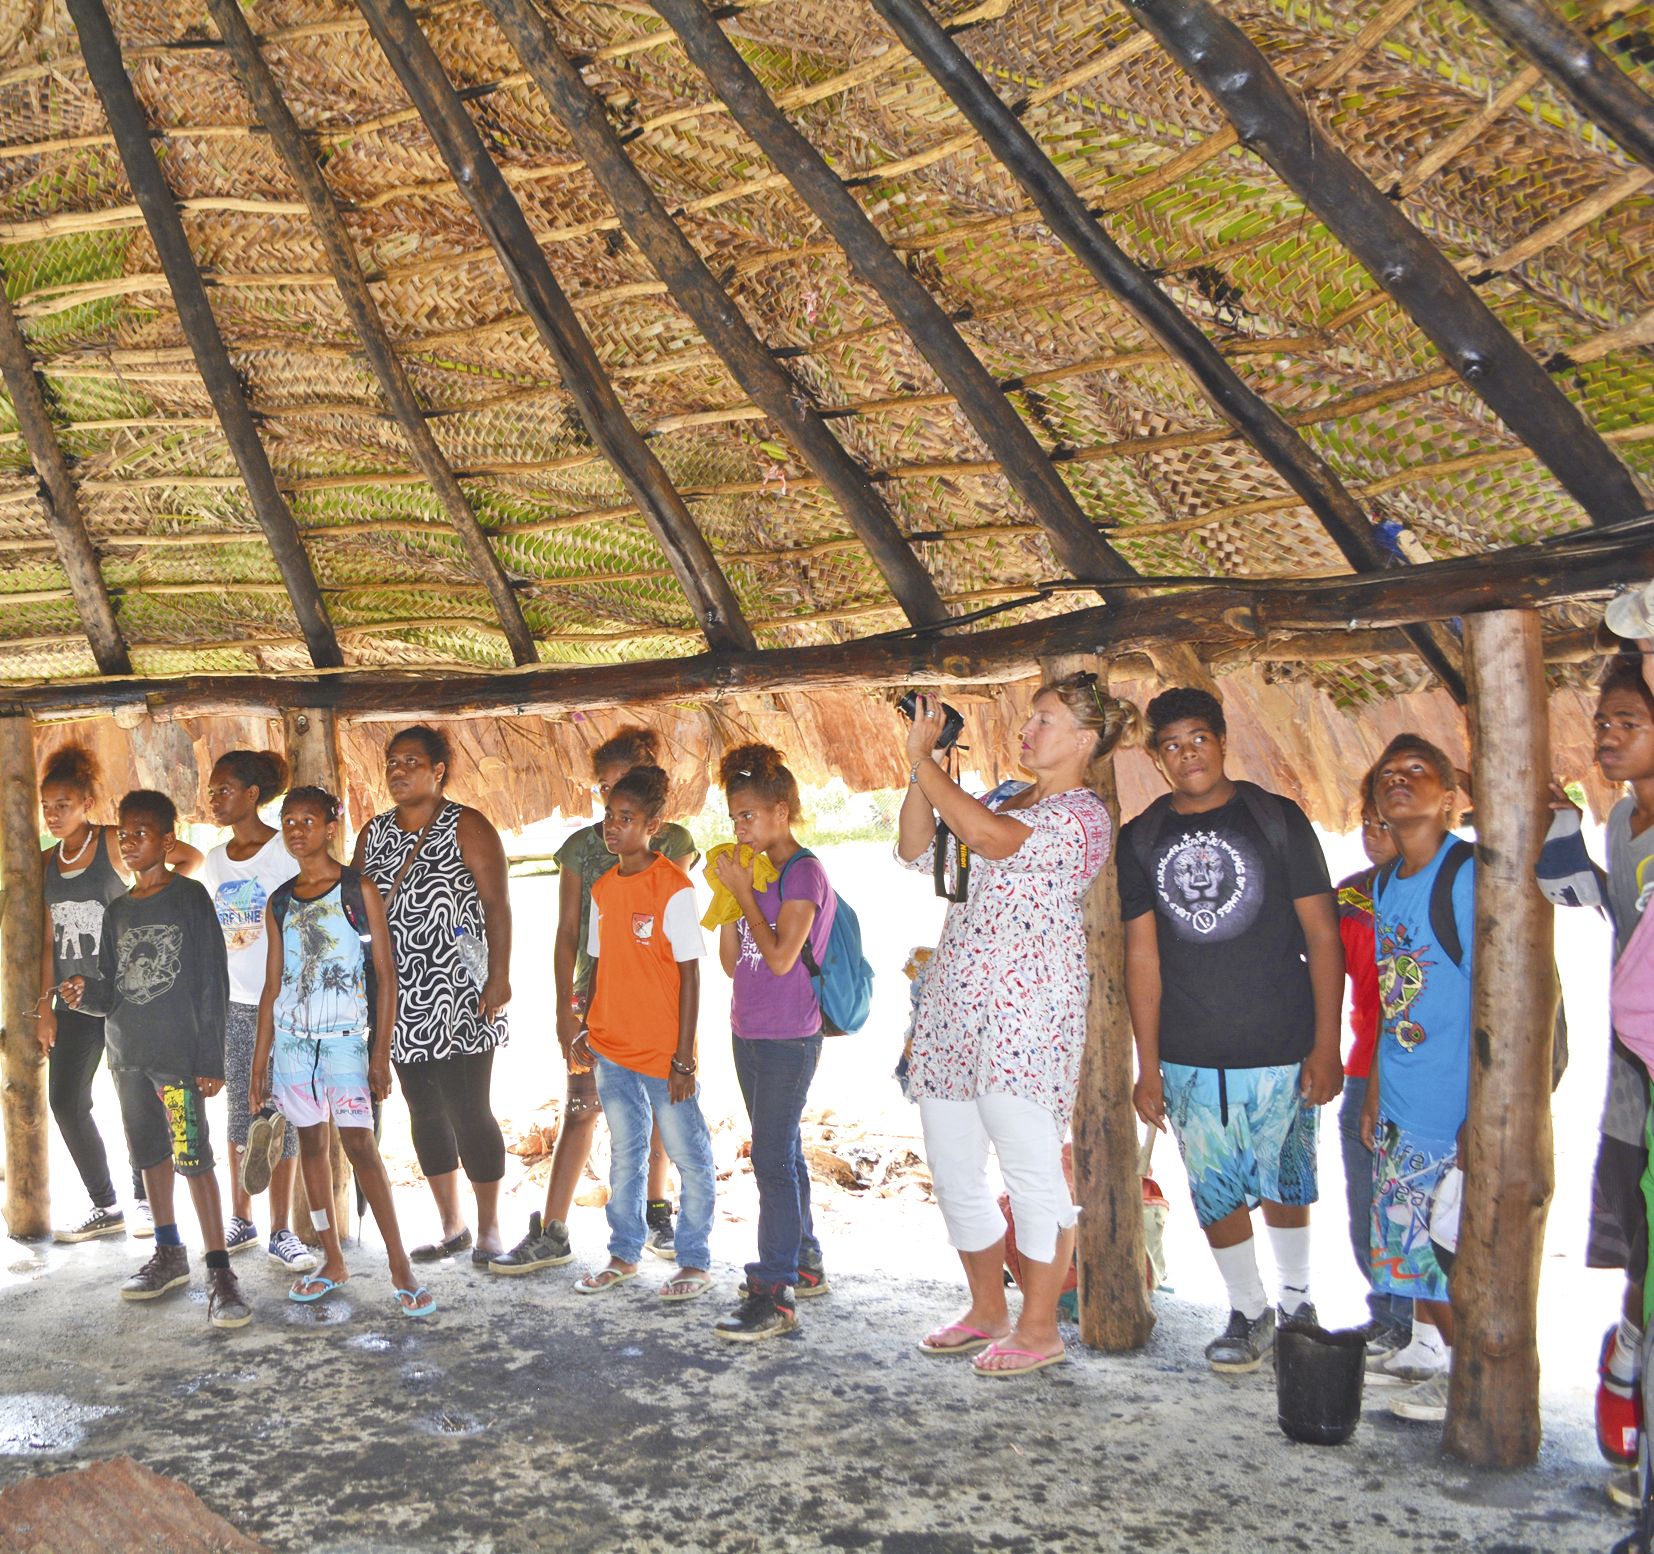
(1234, 978)
(162, 985)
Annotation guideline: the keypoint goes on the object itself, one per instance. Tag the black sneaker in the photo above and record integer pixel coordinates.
(661, 1241)
(545, 1246)
(225, 1305)
(812, 1280)
(99, 1222)
(1241, 1346)
(167, 1268)
(763, 1314)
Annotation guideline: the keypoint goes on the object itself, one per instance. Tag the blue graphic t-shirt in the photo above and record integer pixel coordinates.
(1424, 999)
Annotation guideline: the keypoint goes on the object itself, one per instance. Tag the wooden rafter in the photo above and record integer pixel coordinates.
(285, 134)
(59, 499)
(692, 286)
(1026, 466)
(130, 127)
(1595, 85)
(443, 110)
(1271, 120)
(1217, 618)
(1282, 448)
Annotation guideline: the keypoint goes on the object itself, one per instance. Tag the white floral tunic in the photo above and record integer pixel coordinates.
(1003, 1011)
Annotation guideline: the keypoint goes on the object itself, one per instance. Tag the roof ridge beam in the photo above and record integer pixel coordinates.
(713, 311)
(130, 127)
(1273, 122)
(260, 86)
(1280, 446)
(1075, 540)
(59, 499)
(501, 217)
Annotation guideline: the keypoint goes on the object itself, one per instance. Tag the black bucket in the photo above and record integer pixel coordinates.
(1318, 1382)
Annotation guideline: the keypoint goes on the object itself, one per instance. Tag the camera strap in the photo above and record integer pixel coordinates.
(952, 858)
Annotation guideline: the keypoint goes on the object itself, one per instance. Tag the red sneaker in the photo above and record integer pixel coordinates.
(1619, 1411)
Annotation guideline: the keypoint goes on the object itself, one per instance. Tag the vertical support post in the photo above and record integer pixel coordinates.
(22, 880)
(1115, 1310)
(312, 737)
(1493, 1410)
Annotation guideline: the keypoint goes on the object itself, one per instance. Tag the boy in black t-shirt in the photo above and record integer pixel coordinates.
(1235, 978)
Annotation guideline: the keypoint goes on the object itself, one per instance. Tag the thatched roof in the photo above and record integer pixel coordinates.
(1545, 213)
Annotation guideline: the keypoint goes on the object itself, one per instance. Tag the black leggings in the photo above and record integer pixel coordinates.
(452, 1119)
(75, 1058)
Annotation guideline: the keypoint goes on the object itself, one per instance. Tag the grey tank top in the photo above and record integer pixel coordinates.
(77, 907)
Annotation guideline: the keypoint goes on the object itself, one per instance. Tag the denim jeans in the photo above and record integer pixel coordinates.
(633, 1103)
(1393, 1310)
(775, 1077)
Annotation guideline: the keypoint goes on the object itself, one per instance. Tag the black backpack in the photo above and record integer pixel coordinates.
(356, 914)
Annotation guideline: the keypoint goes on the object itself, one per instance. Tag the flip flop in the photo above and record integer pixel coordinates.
(934, 1342)
(328, 1286)
(1037, 1361)
(690, 1287)
(604, 1279)
(424, 1303)
(435, 1251)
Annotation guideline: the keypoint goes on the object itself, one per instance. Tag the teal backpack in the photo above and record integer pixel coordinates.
(843, 981)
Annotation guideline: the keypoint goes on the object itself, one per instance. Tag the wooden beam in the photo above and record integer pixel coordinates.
(692, 286)
(1493, 1402)
(1116, 1314)
(1273, 122)
(1026, 466)
(155, 198)
(443, 110)
(1572, 63)
(1277, 443)
(59, 499)
(261, 89)
(1219, 617)
(22, 1064)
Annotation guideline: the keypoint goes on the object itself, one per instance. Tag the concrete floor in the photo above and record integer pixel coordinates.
(528, 1417)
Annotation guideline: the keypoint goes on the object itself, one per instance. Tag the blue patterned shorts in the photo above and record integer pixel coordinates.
(1245, 1134)
(1407, 1170)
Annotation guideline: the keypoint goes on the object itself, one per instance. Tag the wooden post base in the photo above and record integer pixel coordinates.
(340, 1210)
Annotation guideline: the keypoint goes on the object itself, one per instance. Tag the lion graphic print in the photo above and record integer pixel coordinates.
(147, 961)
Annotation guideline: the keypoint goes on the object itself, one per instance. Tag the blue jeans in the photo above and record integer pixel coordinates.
(633, 1102)
(775, 1077)
(1392, 1310)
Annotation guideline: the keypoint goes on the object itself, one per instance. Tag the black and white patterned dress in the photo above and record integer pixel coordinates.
(436, 1000)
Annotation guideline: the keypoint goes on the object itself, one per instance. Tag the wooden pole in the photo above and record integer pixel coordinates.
(1273, 122)
(1280, 446)
(1595, 85)
(1493, 1409)
(300, 160)
(1026, 465)
(313, 758)
(59, 498)
(478, 176)
(1115, 1311)
(130, 126)
(693, 287)
(1221, 617)
(22, 1067)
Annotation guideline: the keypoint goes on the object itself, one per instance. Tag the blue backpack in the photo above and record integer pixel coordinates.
(844, 980)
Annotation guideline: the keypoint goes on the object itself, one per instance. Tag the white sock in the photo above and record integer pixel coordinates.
(1623, 1358)
(1291, 1249)
(1239, 1267)
(1427, 1339)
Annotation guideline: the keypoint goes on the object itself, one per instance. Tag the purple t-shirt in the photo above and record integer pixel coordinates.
(771, 1008)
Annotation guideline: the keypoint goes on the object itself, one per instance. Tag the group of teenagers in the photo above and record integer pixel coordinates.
(299, 984)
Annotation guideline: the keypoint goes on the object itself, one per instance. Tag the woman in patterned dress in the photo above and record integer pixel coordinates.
(442, 870)
(1002, 1019)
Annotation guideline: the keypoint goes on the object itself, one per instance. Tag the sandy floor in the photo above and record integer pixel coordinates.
(529, 1417)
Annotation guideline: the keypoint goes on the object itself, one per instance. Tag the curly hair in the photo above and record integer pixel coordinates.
(433, 742)
(147, 804)
(759, 769)
(1180, 703)
(317, 798)
(631, 746)
(73, 767)
(647, 784)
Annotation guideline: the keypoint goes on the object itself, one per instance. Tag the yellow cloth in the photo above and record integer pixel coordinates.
(725, 908)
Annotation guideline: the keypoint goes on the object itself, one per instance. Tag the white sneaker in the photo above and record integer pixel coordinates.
(1425, 1400)
(1415, 1363)
(141, 1221)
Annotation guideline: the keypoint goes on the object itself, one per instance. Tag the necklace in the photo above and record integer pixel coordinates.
(65, 861)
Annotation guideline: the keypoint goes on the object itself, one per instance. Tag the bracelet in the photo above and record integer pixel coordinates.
(686, 1069)
(913, 775)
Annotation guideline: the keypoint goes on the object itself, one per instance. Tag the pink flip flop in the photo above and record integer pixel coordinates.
(936, 1342)
(994, 1351)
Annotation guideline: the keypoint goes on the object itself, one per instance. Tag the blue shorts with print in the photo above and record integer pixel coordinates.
(1245, 1134)
(1407, 1170)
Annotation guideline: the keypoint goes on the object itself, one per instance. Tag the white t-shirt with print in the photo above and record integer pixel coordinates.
(239, 889)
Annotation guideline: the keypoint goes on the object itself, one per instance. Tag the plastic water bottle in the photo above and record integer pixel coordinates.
(473, 956)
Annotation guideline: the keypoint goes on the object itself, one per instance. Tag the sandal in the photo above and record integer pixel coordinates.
(328, 1286)
(1036, 1360)
(435, 1251)
(939, 1342)
(603, 1279)
(691, 1286)
(424, 1302)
